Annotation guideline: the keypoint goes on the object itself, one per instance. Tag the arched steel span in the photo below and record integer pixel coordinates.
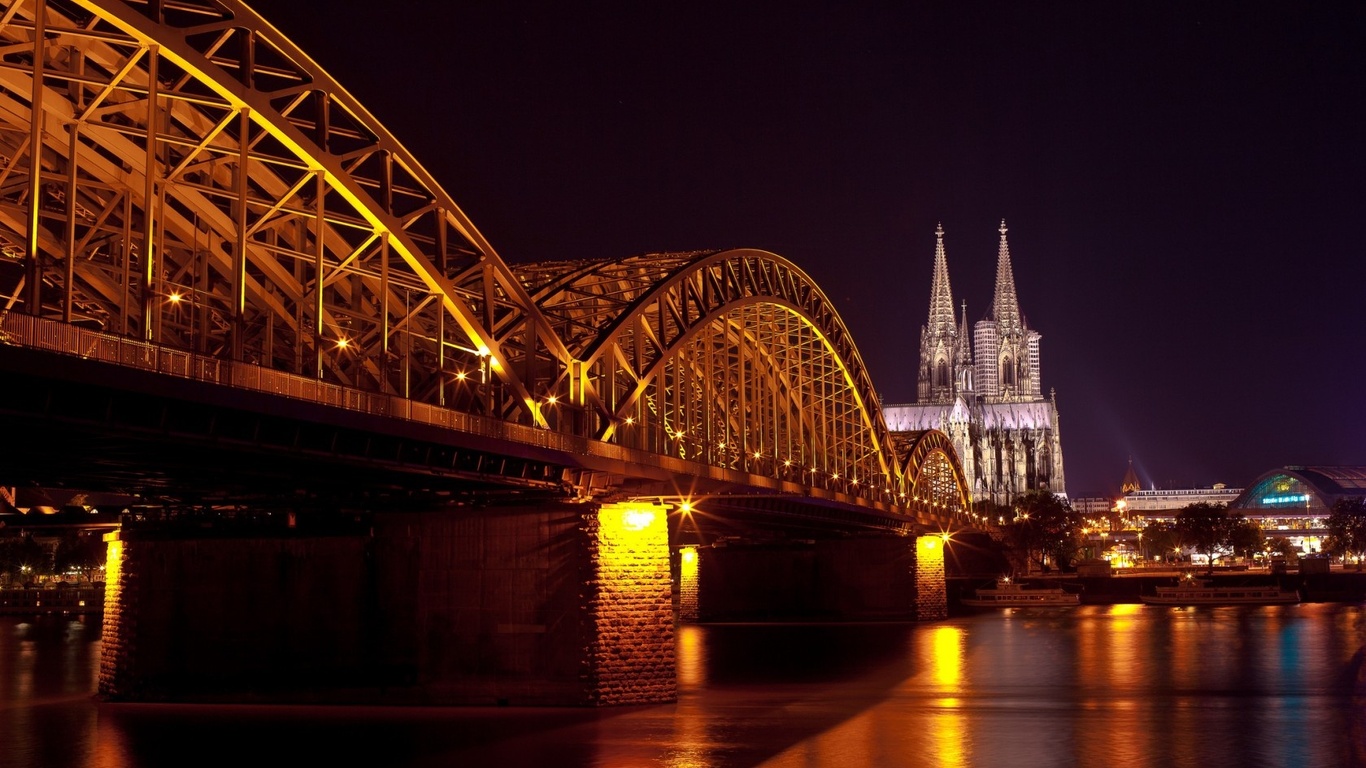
(934, 476)
(203, 184)
(184, 175)
(733, 358)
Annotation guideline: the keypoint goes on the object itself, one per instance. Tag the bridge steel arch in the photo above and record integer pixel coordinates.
(733, 358)
(185, 176)
(934, 474)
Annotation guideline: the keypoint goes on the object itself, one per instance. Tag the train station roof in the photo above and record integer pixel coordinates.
(1300, 488)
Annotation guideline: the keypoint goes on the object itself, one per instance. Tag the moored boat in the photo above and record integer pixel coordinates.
(1192, 591)
(1010, 594)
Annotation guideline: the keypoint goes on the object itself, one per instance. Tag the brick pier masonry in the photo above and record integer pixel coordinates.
(559, 605)
(569, 605)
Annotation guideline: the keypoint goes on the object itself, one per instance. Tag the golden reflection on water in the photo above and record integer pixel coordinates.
(693, 745)
(947, 724)
(690, 653)
(921, 719)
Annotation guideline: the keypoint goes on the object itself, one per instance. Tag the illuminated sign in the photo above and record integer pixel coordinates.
(1289, 499)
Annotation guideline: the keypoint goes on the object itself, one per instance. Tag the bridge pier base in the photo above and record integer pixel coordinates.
(558, 605)
(868, 578)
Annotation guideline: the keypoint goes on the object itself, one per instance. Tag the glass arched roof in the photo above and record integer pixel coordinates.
(1302, 489)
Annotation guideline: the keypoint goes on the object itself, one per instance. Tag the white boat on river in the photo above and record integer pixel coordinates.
(1193, 591)
(1010, 594)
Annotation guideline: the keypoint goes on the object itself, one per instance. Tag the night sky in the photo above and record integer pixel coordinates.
(1184, 183)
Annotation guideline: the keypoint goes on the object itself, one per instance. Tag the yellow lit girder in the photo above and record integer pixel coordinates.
(717, 356)
(180, 174)
(934, 475)
(183, 174)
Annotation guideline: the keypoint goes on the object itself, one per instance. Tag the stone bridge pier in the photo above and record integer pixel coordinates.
(555, 605)
(565, 604)
(864, 578)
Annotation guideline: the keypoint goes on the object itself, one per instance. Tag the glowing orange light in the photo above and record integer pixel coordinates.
(638, 519)
(461, 375)
(689, 555)
(685, 507)
(756, 454)
(630, 420)
(174, 298)
(551, 399)
(343, 343)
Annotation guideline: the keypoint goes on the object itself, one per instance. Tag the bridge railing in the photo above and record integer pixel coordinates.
(55, 336)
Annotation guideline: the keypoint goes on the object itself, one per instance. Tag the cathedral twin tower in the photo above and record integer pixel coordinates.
(983, 390)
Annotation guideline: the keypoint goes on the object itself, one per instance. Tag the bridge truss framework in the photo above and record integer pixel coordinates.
(180, 175)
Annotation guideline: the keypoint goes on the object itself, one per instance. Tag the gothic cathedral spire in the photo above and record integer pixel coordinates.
(980, 385)
(1005, 307)
(941, 296)
(1006, 351)
(940, 346)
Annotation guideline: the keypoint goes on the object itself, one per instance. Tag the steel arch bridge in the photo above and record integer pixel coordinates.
(181, 175)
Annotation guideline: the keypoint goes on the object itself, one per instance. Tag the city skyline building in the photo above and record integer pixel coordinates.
(982, 386)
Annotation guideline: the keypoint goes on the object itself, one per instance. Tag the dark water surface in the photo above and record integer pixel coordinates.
(1121, 685)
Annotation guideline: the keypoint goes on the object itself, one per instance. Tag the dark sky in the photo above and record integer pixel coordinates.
(1185, 183)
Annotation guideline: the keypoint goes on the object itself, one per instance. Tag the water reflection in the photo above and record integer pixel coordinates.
(946, 726)
(1089, 687)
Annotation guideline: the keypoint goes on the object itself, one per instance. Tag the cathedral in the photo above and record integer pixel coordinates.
(981, 387)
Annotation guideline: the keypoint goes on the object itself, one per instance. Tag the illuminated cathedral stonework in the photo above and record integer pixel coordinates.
(983, 390)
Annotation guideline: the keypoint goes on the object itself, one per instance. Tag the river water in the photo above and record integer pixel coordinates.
(1103, 686)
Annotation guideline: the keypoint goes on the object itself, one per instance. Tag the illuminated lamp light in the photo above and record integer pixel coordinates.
(343, 343)
(787, 462)
(756, 454)
(551, 399)
(174, 298)
(688, 555)
(685, 507)
(637, 519)
(630, 420)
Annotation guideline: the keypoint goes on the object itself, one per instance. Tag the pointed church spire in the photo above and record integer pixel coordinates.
(1005, 308)
(941, 296)
(964, 339)
(1130, 482)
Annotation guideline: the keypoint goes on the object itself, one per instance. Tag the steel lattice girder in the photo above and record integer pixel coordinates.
(934, 476)
(640, 327)
(185, 175)
(279, 222)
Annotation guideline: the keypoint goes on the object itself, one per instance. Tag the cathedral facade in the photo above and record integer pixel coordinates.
(981, 386)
